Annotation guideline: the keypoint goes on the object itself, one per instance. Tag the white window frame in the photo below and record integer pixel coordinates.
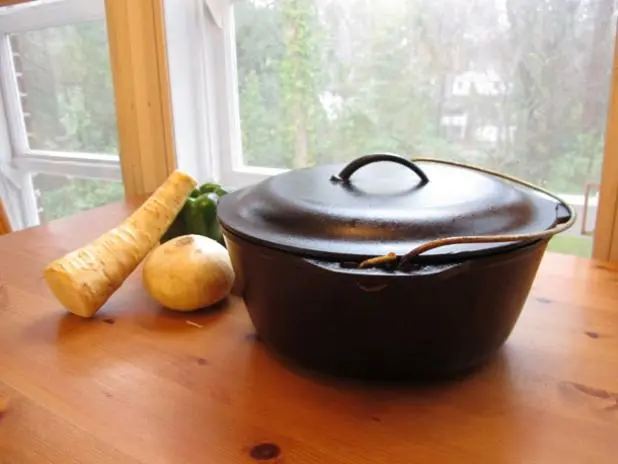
(16, 157)
(204, 92)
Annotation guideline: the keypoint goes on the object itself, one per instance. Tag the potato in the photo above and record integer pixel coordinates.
(188, 273)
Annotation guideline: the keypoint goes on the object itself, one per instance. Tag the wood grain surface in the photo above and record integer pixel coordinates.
(139, 384)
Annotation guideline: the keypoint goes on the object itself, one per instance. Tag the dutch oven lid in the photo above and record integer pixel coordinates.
(383, 204)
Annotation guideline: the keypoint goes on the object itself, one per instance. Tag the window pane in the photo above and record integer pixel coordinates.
(61, 196)
(520, 86)
(64, 77)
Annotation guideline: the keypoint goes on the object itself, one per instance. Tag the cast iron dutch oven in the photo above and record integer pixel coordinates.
(387, 268)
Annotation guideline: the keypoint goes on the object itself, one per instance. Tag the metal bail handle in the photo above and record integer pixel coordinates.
(355, 165)
(565, 218)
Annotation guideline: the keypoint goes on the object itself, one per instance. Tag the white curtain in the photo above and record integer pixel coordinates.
(215, 8)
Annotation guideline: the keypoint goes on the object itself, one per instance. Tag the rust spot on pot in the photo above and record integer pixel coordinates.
(109, 321)
(372, 288)
(265, 451)
(592, 334)
(389, 257)
(544, 300)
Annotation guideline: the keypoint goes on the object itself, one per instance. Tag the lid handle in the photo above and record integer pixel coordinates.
(355, 165)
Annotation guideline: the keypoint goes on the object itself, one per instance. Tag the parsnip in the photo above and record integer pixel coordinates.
(84, 279)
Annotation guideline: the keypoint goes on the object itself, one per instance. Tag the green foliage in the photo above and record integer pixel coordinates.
(578, 164)
(67, 87)
(324, 81)
(572, 245)
(75, 195)
(260, 52)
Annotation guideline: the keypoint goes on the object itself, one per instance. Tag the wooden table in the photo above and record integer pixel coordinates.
(138, 384)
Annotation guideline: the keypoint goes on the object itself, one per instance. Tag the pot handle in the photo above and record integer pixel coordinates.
(355, 165)
(565, 218)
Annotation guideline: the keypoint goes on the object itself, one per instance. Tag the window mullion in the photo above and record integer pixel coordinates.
(17, 191)
(11, 96)
(225, 81)
(86, 166)
(193, 82)
(204, 91)
(28, 199)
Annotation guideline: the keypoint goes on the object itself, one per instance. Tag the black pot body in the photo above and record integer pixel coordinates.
(433, 322)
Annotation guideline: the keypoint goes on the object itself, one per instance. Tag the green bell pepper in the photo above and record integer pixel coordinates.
(199, 214)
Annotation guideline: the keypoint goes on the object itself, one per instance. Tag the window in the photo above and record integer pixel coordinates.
(58, 105)
(64, 81)
(60, 196)
(521, 86)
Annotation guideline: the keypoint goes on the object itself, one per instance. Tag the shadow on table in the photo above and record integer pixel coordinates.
(160, 319)
(449, 412)
(142, 313)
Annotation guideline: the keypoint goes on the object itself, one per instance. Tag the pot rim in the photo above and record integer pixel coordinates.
(474, 245)
(387, 266)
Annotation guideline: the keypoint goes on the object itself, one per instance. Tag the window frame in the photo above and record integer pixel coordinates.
(225, 81)
(138, 60)
(23, 160)
(213, 100)
(605, 245)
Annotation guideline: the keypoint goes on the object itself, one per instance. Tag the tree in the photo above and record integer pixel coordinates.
(68, 102)
(346, 78)
(329, 80)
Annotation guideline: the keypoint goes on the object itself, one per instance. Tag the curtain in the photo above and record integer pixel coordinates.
(215, 8)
